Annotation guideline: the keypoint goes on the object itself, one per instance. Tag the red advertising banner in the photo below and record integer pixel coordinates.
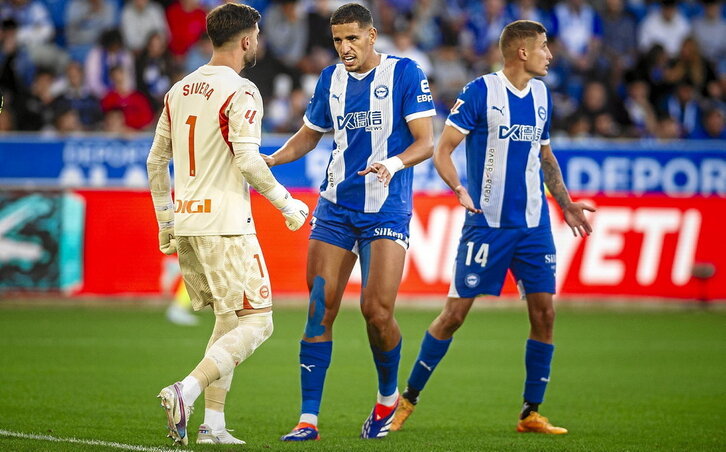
(641, 247)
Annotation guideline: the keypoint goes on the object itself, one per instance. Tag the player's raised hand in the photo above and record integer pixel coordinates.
(167, 242)
(384, 170)
(575, 218)
(465, 199)
(295, 213)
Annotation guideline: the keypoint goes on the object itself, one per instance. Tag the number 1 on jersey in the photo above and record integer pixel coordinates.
(192, 122)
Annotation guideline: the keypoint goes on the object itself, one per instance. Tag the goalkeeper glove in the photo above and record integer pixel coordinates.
(165, 218)
(294, 210)
(295, 213)
(167, 242)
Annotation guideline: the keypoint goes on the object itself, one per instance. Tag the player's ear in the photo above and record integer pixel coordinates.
(245, 42)
(372, 34)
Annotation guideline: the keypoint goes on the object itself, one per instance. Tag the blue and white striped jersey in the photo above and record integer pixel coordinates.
(368, 114)
(504, 129)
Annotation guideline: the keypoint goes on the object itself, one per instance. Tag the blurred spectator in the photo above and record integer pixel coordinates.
(713, 126)
(597, 101)
(85, 21)
(403, 46)
(450, 73)
(139, 19)
(691, 67)
(319, 35)
(619, 39)
(528, 10)
(154, 70)
(652, 67)
(134, 105)
(201, 52)
(604, 126)
(109, 52)
(35, 26)
(487, 19)
(74, 93)
(35, 31)
(641, 113)
(187, 21)
(428, 24)
(579, 127)
(665, 26)
(710, 31)
(578, 28)
(114, 122)
(66, 121)
(683, 107)
(7, 120)
(16, 69)
(668, 129)
(286, 31)
(34, 112)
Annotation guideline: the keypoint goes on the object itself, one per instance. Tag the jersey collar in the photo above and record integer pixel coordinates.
(517, 92)
(359, 76)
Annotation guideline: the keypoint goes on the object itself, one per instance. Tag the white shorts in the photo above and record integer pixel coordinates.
(226, 272)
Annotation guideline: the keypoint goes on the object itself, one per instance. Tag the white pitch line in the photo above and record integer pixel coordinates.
(90, 442)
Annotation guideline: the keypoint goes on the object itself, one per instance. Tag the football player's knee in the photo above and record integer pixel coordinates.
(223, 324)
(235, 346)
(316, 310)
(451, 321)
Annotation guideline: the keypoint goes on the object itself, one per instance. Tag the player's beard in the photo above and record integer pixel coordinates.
(250, 60)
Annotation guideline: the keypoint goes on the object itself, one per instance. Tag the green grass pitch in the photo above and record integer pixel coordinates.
(622, 381)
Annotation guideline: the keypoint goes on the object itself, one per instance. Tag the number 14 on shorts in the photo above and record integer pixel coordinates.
(481, 254)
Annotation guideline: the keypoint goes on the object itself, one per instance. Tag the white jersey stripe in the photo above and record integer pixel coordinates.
(336, 169)
(375, 192)
(495, 164)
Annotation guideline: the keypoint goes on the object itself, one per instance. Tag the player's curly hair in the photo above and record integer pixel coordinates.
(517, 31)
(227, 21)
(352, 12)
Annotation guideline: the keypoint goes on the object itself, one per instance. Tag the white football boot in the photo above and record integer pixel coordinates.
(207, 436)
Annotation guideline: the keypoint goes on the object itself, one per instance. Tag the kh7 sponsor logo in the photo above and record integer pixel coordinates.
(520, 132)
(370, 120)
(193, 206)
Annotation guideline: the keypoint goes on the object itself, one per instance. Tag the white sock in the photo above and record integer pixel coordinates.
(214, 420)
(309, 418)
(190, 390)
(388, 400)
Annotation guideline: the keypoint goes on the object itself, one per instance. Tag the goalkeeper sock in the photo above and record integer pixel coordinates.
(314, 362)
(387, 367)
(432, 351)
(537, 360)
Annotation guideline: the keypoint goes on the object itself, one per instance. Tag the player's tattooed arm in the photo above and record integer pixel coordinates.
(553, 178)
(574, 212)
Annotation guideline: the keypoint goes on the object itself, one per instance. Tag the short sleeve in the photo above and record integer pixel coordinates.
(317, 114)
(245, 116)
(163, 127)
(417, 101)
(464, 115)
(545, 139)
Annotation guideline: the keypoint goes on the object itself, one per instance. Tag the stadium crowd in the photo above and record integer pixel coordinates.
(621, 68)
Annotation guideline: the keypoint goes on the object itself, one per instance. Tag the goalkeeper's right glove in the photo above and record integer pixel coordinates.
(167, 242)
(294, 210)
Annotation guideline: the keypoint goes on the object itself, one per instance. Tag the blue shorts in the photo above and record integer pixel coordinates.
(353, 230)
(485, 254)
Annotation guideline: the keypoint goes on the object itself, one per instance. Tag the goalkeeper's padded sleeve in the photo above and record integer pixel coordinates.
(258, 175)
(157, 166)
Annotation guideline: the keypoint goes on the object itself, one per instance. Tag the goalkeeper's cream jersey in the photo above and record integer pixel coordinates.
(203, 114)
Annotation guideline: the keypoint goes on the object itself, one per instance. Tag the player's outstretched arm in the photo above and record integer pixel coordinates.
(248, 159)
(298, 145)
(574, 212)
(157, 167)
(450, 139)
(422, 130)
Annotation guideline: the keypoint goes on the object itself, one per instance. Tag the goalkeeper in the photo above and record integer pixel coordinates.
(211, 127)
